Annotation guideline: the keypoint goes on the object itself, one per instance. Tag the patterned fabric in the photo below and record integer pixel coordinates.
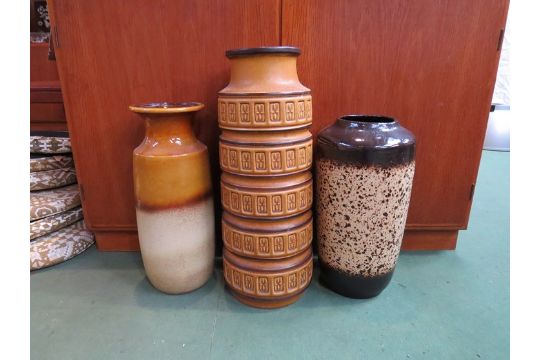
(54, 222)
(50, 145)
(51, 179)
(49, 202)
(51, 163)
(60, 246)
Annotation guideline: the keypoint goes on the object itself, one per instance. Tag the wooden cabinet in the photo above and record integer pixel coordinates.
(46, 104)
(430, 64)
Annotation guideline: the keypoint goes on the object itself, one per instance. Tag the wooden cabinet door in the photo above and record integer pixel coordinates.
(430, 64)
(111, 54)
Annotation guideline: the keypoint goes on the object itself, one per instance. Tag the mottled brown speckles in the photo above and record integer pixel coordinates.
(362, 212)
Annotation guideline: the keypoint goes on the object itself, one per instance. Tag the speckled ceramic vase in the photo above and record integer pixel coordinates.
(175, 213)
(364, 168)
(266, 187)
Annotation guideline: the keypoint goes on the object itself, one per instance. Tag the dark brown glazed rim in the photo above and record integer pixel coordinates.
(370, 119)
(366, 140)
(288, 50)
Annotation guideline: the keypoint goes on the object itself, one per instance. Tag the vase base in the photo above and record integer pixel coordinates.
(186, 290)
(266, 303)
(356, 287)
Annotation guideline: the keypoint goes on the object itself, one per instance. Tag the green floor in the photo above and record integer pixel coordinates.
(439, 305)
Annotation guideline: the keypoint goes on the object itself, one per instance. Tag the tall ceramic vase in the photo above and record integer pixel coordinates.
(266, 186)
(175, 213)
(365, 167)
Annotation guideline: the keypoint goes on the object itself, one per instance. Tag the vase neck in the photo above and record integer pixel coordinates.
(267, 73)
(177, 128)
(367, 122)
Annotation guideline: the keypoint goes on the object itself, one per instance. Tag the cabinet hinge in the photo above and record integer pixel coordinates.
(473, 186)
(53, 43)
(501, 38)
(56, 37)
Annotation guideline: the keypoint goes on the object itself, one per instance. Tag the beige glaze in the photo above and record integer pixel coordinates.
(362, 212)
(177, 246)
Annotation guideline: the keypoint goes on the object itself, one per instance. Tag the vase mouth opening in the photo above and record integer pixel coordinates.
(368, 119)
(264, 50)
(166, 107)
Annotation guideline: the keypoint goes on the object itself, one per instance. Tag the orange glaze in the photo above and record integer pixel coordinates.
(171, 167)
(264, 73)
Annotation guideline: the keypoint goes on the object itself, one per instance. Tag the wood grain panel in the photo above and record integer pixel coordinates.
(430, 64)
(45, 116)
(46, 92)
(41, 68)
(430, 240)
(412, 240)
(117, 240)
(112, 54)
(46, 103)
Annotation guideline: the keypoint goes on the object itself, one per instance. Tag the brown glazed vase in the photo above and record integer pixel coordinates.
(365, 168)
(268, 283)
(264, 92)
(266, 184)
(266, 153)
(175, 213)
(267, 198)
(267, 239)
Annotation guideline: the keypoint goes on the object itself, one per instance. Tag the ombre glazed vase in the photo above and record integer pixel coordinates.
(266, 186)
(364, 175)
(175, 213)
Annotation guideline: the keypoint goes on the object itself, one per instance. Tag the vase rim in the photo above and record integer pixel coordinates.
(367, 119)
(263, 50)
(166, 107)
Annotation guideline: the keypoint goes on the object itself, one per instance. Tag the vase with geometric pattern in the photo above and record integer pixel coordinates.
(266, 186)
